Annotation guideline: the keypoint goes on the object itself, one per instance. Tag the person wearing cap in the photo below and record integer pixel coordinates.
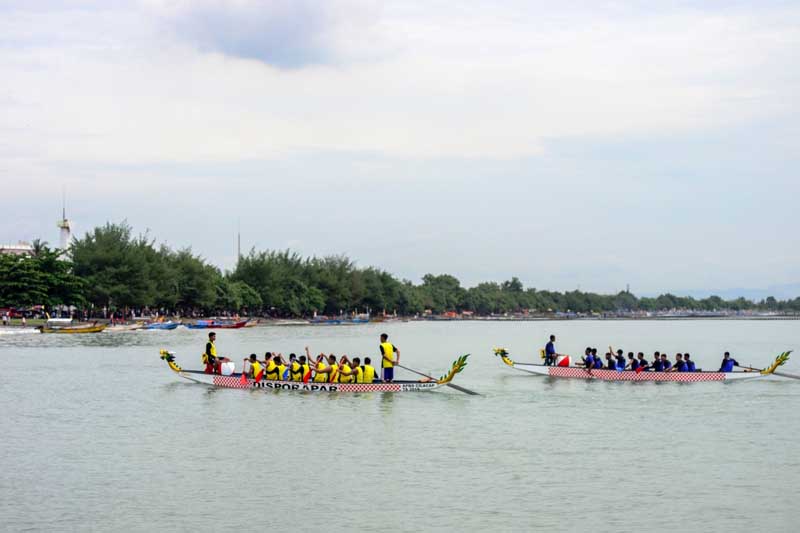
(690, 366)
(728, 363)
(550, 352)
(387, 351)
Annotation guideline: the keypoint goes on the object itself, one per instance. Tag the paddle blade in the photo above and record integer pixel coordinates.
(243, 379)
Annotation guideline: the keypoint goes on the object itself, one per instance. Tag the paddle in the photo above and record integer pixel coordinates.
(462, 389)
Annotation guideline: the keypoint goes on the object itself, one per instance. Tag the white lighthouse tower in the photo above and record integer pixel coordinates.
(64, 226)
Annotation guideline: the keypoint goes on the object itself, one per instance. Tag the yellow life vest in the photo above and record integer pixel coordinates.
(359, 374)
(318, 377)
(272, 370)
(333, 377)
(369, 373)
(387, 348)
(296, 372)
(256, 367)
(306, 370)
(281, 371)
(345, 378)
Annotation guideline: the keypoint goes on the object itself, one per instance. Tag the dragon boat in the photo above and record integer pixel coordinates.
(580, 372)
(237, 381)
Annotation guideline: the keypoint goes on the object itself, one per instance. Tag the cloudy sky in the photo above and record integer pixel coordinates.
(591, 144)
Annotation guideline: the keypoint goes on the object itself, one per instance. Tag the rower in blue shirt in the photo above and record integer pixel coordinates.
(621, 360)
(588, 360)
(680, 364)
(598, 363)
(666, 363)
(728, 363)
(690, 367)
(657, 365)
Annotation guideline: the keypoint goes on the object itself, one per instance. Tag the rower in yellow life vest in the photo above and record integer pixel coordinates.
(321, 370)
(333, 376)
(368, 371)
(295, 368)
(256, 370)
(281, 366)
(345, 373)
(388, 361)
(271, 369)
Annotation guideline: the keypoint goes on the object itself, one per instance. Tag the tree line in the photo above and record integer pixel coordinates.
(111, 269)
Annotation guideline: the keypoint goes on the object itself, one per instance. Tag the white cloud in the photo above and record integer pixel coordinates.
(483, 82)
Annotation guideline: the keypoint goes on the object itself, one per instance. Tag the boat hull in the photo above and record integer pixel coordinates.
(165, 325)
(630, 375)
(75, 330)
(235, 382)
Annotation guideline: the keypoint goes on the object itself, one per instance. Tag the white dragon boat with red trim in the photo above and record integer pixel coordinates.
(236, 381)
(579, 372)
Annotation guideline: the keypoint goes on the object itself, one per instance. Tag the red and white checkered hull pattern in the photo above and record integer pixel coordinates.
(235, 382)
(630, 375)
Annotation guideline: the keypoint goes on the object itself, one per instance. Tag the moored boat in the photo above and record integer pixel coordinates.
(632, 375)
(87, 328)
(205, 324)
(162, 325)
(236, 381)
(123, 327)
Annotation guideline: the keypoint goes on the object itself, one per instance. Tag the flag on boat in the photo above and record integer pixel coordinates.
(563, 360)
(243, 379)
(307, 376)
(285, 376)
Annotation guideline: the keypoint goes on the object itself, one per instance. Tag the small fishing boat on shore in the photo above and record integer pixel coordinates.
(580, 372)
(217, 324)
(237, 381)
(73, 329)
(117, 328)
(162, 325)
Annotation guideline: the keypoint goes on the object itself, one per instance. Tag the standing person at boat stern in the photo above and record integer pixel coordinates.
(550, 352)
(387, 358)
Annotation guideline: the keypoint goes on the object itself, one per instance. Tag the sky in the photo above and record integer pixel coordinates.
(589, 144)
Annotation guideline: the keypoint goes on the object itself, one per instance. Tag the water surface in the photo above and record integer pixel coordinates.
(97, 434)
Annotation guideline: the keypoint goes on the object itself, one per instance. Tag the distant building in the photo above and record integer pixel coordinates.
(64, 226)
(21, 248)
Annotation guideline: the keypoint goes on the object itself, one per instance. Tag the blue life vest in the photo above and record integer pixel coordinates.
(589, 361)
(727, 366)
(658, 366)
(681, 366)
(598, 363)
(690, 366)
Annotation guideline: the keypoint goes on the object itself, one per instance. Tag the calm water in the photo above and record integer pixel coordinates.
(97, 434)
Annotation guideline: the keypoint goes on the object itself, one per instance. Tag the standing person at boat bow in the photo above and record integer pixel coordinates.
(550, 352)
(210, 358)
(728, 363)
(387, 358)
